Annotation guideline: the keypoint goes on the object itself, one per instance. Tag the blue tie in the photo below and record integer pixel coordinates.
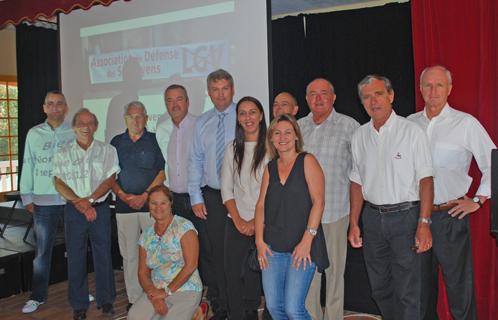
(220, 142)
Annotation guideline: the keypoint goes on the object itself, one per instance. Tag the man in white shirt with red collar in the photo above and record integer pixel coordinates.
(455, 137)
(392, 177)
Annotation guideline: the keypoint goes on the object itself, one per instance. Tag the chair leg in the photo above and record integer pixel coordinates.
(9, 217)
(27, 230)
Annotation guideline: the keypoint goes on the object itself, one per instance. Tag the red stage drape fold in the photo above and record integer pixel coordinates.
(463, 36)
(17, 11)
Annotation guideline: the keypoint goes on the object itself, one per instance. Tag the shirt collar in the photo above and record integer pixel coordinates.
(443, 114)
(329, 118)
(185, 121)
(227, 111)
(386, 126)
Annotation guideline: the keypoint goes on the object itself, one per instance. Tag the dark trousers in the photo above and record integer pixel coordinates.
(45, 222)
(215, 229)
(243, 284)
(182, 207)
(394, 268)
(452, 250)
(77, 232)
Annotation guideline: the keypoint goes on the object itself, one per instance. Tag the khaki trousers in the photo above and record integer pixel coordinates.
(336, 239)
(181, 306)
(130, 226)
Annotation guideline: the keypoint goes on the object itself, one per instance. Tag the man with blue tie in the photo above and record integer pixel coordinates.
(214, 129)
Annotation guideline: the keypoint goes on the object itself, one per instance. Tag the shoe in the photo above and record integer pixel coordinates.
(31, 306)
(219, 315)
(128, 307)
(79, 315)
(251, 315)
(107, 309)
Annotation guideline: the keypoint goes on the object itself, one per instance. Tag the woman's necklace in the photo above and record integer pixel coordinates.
(157, 229)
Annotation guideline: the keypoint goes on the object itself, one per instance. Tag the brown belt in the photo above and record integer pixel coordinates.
(443, 207)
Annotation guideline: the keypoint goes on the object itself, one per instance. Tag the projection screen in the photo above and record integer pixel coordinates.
(133, 50)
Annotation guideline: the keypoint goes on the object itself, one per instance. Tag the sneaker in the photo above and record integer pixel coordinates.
(31, 306)
(79, 315)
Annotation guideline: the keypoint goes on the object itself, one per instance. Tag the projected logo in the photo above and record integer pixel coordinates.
(193, 60)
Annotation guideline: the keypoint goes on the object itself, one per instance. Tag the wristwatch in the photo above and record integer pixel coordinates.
(91, 200)
(478, 201)
(168, 291)
(425, 220)
(312, 231)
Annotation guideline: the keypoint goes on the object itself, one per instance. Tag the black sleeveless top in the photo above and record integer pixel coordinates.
(287, 209)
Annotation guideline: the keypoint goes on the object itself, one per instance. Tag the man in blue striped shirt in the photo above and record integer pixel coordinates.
(214, 129)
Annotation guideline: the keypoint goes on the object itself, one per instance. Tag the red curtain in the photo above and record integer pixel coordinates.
(17, 11)
(463, 36)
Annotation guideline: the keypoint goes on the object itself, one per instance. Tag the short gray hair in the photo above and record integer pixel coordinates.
(330, 83)
(84, 110)
(134, 104)
(371, 77)
(219, 74)
(438, 66)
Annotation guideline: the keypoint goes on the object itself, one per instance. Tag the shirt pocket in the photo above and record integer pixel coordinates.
(448, 155)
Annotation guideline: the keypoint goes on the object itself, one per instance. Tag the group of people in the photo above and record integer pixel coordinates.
(293, 193)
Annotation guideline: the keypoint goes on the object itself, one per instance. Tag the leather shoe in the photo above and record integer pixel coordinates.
(79, 315)
(251, 315)
(219, 315)
(107, 309)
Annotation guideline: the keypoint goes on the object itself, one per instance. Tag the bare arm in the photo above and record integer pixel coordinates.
(138, 201)
(423, 237)
(356, 204)
(243, 226)
(259, 222)
(190, 252)
(316, 186)
(155, 295)
(65, 191)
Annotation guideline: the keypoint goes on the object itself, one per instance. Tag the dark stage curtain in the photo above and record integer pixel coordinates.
(343, 47)
(463, 35)
(37, 73)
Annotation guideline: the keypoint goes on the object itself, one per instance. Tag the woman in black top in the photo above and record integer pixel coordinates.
(289, 238)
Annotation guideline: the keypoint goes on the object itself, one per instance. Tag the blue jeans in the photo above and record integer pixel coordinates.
(77, 231)
(286, 288)
(45, 221)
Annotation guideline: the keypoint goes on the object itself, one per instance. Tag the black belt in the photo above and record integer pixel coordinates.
(208, 188)
(180, 195)
(388, 208)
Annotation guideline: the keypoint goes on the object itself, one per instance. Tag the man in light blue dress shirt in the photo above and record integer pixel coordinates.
(214, 129)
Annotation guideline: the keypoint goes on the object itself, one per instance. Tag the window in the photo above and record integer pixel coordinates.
(8, 136)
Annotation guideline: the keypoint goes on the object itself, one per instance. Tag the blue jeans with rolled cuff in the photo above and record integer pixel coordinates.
(286, 288)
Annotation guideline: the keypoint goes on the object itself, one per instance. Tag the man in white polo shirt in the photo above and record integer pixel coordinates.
(391, 179)
(84, 172)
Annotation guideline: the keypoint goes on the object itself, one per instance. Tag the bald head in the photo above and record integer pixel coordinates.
(435, 86)
(284, 103)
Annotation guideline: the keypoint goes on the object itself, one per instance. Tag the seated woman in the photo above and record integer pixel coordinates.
(167, 267)
(243, 166)
(289, 237)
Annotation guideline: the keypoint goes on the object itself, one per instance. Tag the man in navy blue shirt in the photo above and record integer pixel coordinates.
(142, 167)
